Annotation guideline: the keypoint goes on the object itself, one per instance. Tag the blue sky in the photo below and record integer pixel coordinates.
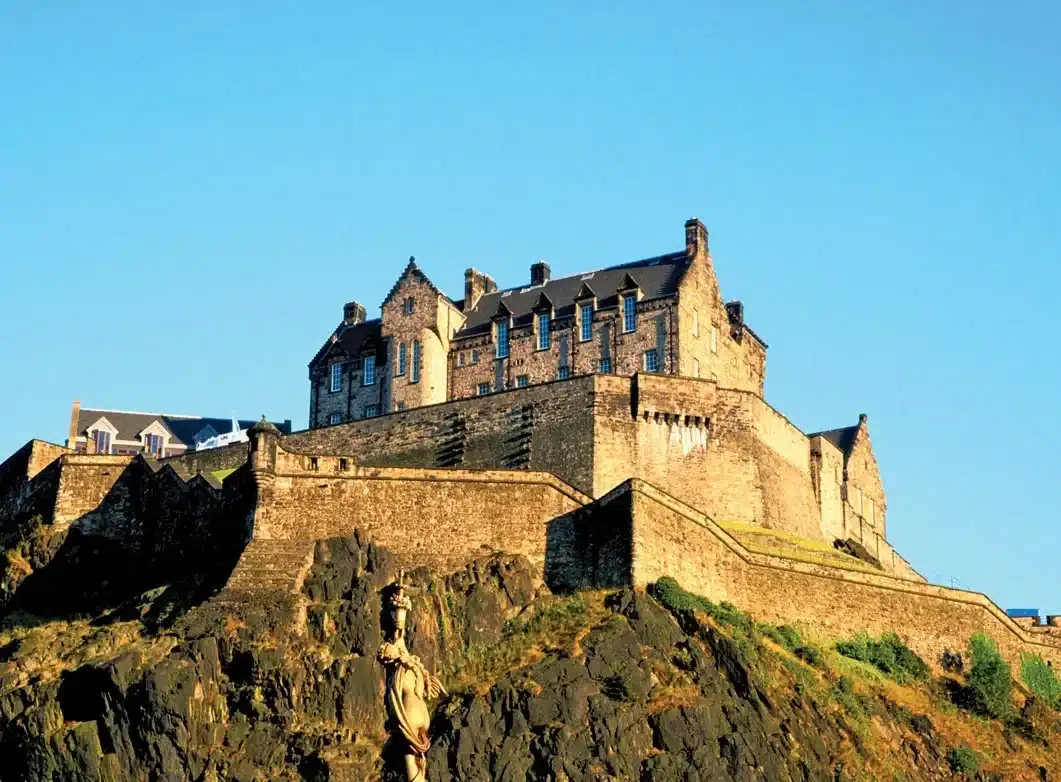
(189, 192)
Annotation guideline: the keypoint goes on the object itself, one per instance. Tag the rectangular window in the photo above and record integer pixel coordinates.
(543, 331)
(586, 313)
(522, 381)
(371, 411)
(460, 359)
(335, 418)
(651, 361)
(103, 441)
(475, 356)
(714, 339)
(629, 314)
(153, 444)
(314, 464)
(343, 465)
(401, 359)
(368, 371)
(414, 376)
(696, 323)
(606, 365)
(502, 338)
(484, 389)
(563, 373)
(337, 378)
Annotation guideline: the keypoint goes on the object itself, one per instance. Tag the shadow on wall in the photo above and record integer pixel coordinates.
(150, 530)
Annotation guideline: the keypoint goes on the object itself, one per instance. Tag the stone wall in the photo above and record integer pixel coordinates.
(663, 536)
(225, 457)
(709, 345)
(548, 427)
(28, 479)
(723, 451)
(435, 518)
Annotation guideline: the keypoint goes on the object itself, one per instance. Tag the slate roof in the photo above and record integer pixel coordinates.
(182, 428)
(658, 277)
(353, 340)
(843, 438)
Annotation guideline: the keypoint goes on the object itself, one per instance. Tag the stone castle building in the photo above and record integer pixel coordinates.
(660, 315)
(610, 426)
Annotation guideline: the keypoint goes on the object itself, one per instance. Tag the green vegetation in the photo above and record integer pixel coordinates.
(222, 474)
(784, 544)
(963, 760)
(1041, 679)
(789, 637)
(888, 654)
(990, 683)
(555, 626)
(745, 632)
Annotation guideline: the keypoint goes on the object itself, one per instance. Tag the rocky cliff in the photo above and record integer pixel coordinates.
(183, 683)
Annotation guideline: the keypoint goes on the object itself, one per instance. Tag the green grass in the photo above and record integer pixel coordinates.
(888, 654)
(784, 544)
(553, 627)
(222, 474)
(1041, 679)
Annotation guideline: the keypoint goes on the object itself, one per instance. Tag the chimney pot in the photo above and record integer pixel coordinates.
(540, 273)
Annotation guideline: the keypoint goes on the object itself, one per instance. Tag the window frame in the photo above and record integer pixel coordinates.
(544, 337)
(563, 372)
(402, 351)
(371, 411)
(652, 354)
(604, 365)
(335, 377)
(414, 370)
(585, 332)
(368, 370)
(629, 305)
(335, 418)
(522, 381)
(479, 390)
(502, 338)
(101, 435)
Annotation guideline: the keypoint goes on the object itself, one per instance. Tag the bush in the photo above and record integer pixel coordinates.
(963, 760)
(669, 592)
(888, 654)
(1041, 679)
(990, 683)
(789, 638)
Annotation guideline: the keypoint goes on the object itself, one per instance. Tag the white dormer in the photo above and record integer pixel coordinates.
(103, 432)
(154, 438)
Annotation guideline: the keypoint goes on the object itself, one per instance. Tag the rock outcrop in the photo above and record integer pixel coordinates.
(592, 686)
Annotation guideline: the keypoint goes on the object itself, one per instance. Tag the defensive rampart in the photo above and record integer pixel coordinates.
(638, 533)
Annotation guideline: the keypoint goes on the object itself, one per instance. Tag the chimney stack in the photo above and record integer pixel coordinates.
(476, 285)
(540, 273)
(353, 313)
(75, 413)
(695, 237)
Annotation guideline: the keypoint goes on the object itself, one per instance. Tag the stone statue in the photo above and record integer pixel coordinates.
(409, 686)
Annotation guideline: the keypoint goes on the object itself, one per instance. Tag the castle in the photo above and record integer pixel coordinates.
(449, 429)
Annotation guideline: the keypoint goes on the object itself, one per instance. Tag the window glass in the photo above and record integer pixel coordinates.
(543, 331)
(587, 322)
(337, 377)
(629, 313)
(414, 375)
(368, 376)
(502, 338)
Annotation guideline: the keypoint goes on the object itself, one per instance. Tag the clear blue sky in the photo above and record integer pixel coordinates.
(190, 191)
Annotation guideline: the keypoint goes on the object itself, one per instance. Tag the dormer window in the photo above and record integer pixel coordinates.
(103, 440)
(543, 331)
(502, 338)
(153, 444)
(368, 371)
(336, 378)
(629, 314)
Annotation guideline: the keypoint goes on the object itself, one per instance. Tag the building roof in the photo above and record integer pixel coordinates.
(182, 428)
(353, 339)
(843, 438)
(657, 277)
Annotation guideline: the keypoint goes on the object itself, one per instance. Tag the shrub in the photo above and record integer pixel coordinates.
(990, 683)
(888, 654)
(963, 760)
(670, 593)
(789, 638)
(1041, 679)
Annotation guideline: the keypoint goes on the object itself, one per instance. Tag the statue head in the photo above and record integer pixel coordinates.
(396, 606)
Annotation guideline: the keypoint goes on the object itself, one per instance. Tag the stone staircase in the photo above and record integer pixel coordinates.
(271, 565)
